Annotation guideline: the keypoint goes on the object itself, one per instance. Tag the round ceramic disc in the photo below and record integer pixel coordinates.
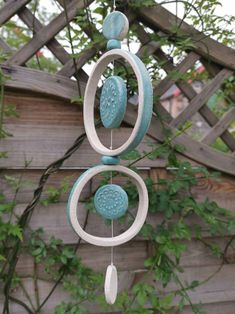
(113, 102)
(115, 26)
(111, 201)
(111, 284)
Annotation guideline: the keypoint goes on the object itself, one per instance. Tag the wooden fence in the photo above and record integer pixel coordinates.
(48, 124)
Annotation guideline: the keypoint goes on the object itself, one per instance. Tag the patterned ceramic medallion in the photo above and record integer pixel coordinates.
(111, 201)
(113, 102)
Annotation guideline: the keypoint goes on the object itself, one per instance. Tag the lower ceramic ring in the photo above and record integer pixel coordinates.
(140, 216)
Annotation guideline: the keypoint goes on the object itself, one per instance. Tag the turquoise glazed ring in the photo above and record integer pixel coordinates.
(73, 206)
(145, 95)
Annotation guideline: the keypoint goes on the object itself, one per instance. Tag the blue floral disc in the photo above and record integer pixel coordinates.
(111, 201)
(113, 102)
(115, 26)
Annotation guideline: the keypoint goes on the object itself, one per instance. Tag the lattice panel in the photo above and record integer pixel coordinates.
(207, 52)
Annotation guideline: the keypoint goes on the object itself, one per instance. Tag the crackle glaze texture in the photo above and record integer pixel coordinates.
(113, 102)
(115, 26)
(111, 201)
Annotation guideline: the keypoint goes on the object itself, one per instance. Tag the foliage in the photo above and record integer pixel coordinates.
(171, 198)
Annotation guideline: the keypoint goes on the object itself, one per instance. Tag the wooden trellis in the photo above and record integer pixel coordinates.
(218, 60)
(40, 134)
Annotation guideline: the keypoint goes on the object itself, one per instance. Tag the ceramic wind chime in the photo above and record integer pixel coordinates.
(111, 201)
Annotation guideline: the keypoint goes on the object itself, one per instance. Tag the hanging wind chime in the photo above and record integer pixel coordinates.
(111, 201)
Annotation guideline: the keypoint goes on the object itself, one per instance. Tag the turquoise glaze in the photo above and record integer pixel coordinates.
(113, 102)
(148, 104)
(113, 44)
(115, 26)
(111, 201)
(71, 193)
(110, 160)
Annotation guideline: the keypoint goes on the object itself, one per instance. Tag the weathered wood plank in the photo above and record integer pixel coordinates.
(11, 8)
(199, 152)
(219, 127)
(39, 110)
(222, 190)
(217, 308)
(130, 256)
(46, 33)
(194, 150)
(56, 223)
(158, 18)
(43, 144)
(219, 290)
(30, 179)
(198, 101)
(22, 78)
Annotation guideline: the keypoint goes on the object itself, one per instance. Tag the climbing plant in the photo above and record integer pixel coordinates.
(171, 197)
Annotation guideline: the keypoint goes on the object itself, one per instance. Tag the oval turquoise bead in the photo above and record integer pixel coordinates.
(110, 160)
(111, 201)
(115, 26)
(113, 44)
(113, 102)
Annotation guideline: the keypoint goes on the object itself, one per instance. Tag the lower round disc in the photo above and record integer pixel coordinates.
(111, 201)
(111, 284)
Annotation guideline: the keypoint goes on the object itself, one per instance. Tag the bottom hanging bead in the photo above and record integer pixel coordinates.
(111, 284)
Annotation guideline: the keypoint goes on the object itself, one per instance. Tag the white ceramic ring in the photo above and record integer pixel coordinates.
(144, 107)
(140, 216)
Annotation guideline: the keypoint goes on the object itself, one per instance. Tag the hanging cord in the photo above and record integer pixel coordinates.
(111, 181)
(111, 147)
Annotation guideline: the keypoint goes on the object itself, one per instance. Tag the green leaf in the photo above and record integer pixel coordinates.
(132, 155)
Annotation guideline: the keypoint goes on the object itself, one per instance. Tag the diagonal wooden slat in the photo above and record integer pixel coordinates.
(151, 47)
(53, 45)
(187, 89)
(35, 25)
(68, 69)
(181, 68)
(219, 127)
(46, 33)
(213, 69)
(158, 18)
(4, 46)
(198, 101)
(10, 9)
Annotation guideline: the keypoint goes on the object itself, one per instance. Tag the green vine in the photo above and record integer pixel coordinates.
(171, 198)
